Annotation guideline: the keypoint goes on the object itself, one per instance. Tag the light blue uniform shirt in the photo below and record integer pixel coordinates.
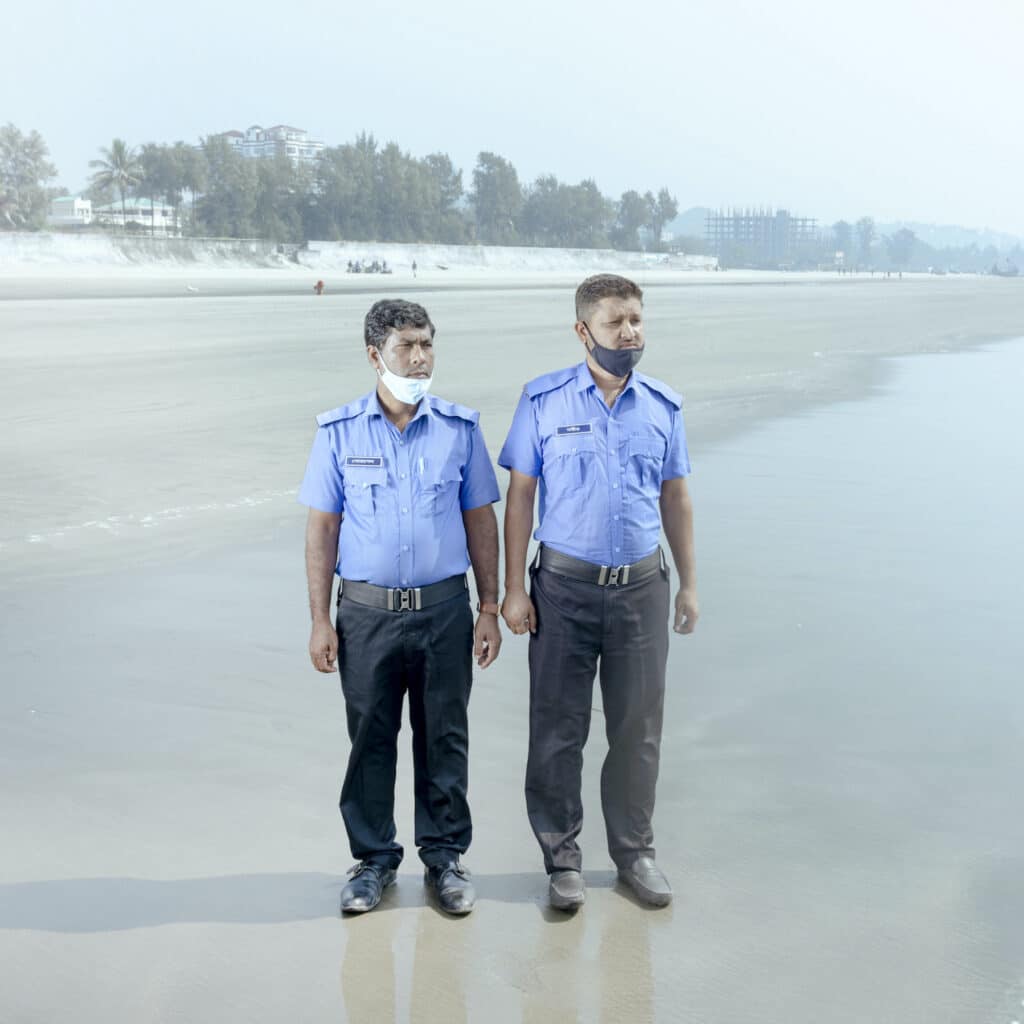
(401, 494)
(600, 469)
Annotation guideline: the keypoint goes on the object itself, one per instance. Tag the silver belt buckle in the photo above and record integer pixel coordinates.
(408, 600)
(613, 575)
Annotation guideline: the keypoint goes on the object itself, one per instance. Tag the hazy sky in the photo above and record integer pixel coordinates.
(898, 110)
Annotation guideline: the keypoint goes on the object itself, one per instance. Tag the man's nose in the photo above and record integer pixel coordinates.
(628, 331)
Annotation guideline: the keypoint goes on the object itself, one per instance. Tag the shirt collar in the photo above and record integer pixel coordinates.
(374, 408)
(585, 379)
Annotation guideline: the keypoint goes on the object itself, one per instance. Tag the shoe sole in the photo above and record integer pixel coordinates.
(372, 906)
(652, 899)
(462, 912)
(567, 903)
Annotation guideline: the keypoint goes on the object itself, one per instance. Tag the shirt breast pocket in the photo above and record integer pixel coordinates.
(570, 462)
(645, 456)
(441, 488)
(364, 488)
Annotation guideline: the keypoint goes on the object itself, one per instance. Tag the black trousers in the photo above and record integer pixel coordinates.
(382, 656)
(625, 629)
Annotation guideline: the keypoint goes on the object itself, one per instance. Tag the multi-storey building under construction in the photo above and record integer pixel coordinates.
(761, 238)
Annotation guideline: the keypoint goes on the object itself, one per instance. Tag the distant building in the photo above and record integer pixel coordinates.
(69, 212)
(262, 143)
(141, 212)
(761, 238)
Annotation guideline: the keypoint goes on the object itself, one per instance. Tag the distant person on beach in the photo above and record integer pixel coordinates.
(609, 449)
(319, 287)
(413, 268)
(400, 491)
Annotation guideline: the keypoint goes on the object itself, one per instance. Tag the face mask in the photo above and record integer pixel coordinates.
(616, 361)
(408, 390)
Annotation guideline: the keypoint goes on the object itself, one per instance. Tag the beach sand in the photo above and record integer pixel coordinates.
(173, 849)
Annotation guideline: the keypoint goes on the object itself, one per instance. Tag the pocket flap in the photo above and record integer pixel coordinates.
(358, 477)
(648, 445)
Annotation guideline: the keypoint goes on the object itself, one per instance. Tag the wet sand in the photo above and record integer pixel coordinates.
(834, 807)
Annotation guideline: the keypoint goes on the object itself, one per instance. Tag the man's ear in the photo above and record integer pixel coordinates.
(581, 332)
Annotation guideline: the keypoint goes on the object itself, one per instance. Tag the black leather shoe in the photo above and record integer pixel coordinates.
(646, 879)
(566, 890)
(365, 887)
(452, 884)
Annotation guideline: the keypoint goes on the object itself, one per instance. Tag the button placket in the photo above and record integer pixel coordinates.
(405, 524)
(615, 497)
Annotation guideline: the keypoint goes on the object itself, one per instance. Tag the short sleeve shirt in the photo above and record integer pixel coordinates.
(401, 494)
(600, 469)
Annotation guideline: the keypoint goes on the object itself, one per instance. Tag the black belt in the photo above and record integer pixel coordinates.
(396, 599)
(602, 575)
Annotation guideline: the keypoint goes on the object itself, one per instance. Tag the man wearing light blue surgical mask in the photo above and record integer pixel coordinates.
(400, 490)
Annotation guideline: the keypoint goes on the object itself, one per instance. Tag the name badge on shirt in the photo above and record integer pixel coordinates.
(574, 428)
(373, 461)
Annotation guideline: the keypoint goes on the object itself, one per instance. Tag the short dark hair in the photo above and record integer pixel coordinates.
(603, 286)
(392, 315)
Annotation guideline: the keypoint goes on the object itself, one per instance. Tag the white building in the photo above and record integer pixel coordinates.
(261, 143)
(69, 212)
(140, 212)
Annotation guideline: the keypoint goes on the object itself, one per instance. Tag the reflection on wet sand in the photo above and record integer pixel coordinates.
(407, 960)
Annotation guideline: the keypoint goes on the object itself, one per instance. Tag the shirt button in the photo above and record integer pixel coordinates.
(617, 548)
(406, 582)
(405, 547)
(401, 444)
(405, 511)
(615, 487)
(402, 475)
(615, 517)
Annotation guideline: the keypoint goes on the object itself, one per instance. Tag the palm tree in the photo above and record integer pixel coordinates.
(119, 168)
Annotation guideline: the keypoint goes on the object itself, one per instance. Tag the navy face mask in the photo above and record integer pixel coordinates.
(616, 361)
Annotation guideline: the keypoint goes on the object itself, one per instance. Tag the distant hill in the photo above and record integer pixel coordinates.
(690, 222)
(952, 236)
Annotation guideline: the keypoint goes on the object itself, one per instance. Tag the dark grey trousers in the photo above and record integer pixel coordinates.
(382, 656)
(625, 629)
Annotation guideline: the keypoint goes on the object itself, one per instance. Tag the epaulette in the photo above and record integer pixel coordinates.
(461, 412)
(343, 412)
(661, 389)
(549, 381)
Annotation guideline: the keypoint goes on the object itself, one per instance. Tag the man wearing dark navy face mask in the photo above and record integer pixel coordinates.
(609, 449)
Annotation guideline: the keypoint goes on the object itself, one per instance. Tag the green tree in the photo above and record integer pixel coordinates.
(900, 246)
(227, 207)
(496, 198)
(633, 214)
(661, 209)
(192, 172)
(865, 236)
(117, 169)
(842, 238)
(157, 178)
(450, 224)
(24, 170)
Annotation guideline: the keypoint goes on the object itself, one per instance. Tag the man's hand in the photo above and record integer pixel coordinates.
(323, 647)
(486, 639)
(518, 612)
(687, 611)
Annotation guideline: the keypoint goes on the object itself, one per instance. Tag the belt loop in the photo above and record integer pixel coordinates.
(535, 565)
(602, 576)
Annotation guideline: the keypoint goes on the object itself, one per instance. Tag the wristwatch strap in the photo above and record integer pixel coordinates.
(490, 608)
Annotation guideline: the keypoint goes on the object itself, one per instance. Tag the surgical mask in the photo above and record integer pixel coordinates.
(616, 361)
(406, 389)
